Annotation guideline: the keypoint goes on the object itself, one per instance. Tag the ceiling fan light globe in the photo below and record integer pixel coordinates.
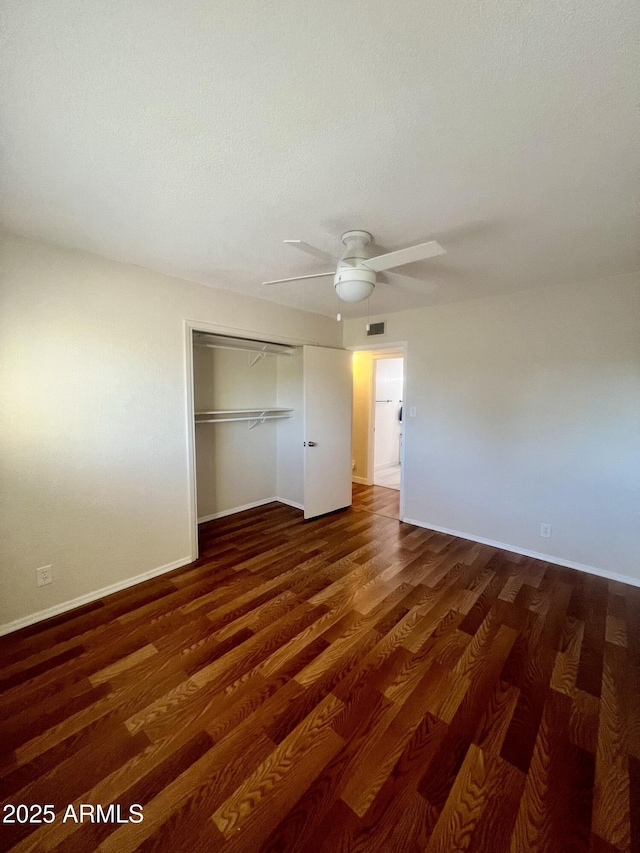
(354, 285)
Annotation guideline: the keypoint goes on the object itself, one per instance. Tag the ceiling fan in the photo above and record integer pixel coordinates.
(355, 277)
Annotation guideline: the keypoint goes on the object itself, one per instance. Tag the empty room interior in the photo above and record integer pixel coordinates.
(320, 426)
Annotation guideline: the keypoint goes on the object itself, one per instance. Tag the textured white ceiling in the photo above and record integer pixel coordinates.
(192, 137)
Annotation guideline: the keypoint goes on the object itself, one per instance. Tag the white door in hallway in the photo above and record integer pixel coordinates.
(327, 430)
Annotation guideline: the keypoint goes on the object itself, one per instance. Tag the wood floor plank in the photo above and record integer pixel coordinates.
(522, 732)
(213, 776)
(299, 829)
(555, 809)
(589, 677)
(494, 826)
(112, 705)
(90, 835)
(495, 718)
(436, 783)
(612, 801)
(397, 805)
(350, 683)
(109, 749)
(565, 668)
(468, 720)
(584, 720)
(461, 813)
(260, 802)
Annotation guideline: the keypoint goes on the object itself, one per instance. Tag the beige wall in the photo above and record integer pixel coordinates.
(361, 424)
(527, 411)
(93, 437)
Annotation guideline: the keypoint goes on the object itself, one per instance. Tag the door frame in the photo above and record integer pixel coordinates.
(191, 326)
(397, 349)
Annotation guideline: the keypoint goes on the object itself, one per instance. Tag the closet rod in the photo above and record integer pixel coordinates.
(241, 349)
(260, 418)
(245, 411)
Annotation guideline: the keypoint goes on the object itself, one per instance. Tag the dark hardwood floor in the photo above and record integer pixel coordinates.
(347, 684)
(377, 499)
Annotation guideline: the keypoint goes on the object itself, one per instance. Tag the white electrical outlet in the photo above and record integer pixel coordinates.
(412, 411)
(545, 530)
(44, 575)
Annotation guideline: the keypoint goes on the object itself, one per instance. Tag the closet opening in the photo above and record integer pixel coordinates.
(247, 404)
(269, 421)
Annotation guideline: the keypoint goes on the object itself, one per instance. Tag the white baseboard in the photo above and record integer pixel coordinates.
(290, 503)
(525, 552)
(235, 509)
(362, 481)
(57, 609)
(202, 519)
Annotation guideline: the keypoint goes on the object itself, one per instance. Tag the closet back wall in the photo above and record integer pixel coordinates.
(235, 465)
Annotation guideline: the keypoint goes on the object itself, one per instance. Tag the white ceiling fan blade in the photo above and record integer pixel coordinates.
(300, 277)
(311, 250)
(405, 256)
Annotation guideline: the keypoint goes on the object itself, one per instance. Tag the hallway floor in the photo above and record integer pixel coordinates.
(388, 477)
(376, 499)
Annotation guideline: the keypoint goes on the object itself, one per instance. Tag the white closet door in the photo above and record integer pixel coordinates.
(327, 430)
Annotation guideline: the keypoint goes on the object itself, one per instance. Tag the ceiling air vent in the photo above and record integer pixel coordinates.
(375, 329)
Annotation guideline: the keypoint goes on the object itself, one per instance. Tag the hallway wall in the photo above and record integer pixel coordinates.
(388, 399)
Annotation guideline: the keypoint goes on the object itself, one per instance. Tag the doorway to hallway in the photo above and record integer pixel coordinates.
(377, 435)
(387, 426)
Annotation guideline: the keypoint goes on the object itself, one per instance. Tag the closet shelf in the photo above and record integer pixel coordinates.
(244, 411)
(253, 416)
(260, 348)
